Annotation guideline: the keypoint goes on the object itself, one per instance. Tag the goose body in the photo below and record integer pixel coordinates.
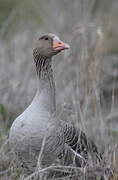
(39, 122)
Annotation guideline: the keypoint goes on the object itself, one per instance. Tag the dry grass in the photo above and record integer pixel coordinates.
(10, 168)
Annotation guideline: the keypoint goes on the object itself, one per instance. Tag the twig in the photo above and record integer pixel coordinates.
(87, 171)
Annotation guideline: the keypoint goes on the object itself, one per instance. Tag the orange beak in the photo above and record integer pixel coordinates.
(59, 45)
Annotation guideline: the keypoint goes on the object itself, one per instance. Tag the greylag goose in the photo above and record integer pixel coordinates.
(39, 126)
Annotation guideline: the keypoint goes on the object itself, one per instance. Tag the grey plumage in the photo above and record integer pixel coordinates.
(63, 142)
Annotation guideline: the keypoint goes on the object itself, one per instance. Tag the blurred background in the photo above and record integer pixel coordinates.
(86, 76)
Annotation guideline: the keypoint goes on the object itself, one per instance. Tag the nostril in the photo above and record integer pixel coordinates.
(59, 43)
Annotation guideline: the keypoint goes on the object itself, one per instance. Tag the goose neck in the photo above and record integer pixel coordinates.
(46, 85)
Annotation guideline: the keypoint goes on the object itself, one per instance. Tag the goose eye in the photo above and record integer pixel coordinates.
(46, 38)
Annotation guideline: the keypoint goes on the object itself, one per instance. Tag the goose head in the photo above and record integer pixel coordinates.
(49, 45)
